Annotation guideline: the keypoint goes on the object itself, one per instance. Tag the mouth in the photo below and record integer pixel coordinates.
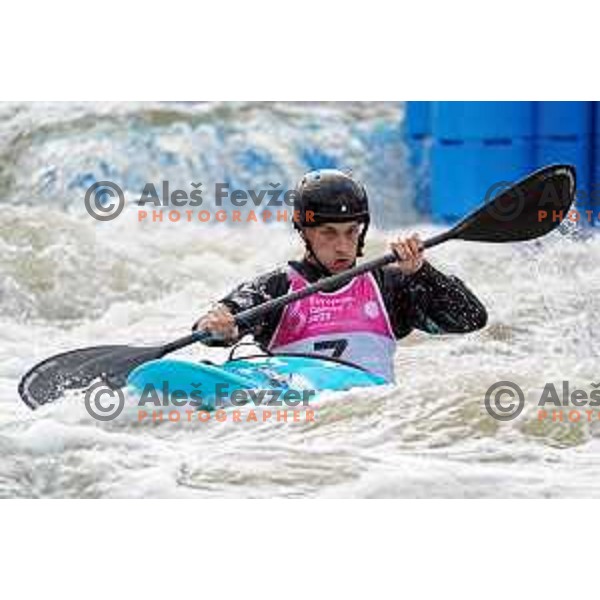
(342, 263)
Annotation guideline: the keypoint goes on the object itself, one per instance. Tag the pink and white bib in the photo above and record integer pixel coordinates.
(351, 324)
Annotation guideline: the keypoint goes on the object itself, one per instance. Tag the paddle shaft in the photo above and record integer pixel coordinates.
(248, 316)
(509, 217)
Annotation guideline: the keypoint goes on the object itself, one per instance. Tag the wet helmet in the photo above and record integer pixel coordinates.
(331, 196)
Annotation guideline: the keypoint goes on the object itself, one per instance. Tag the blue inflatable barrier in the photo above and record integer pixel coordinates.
(563, 119)
(464, 175)
(419, 151)
(418, 119)
(596, 123)
(578, 153)
(594, 183)
(482, 120)
(477, 144)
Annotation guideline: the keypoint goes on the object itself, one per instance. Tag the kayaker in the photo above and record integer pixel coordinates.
(361, 320)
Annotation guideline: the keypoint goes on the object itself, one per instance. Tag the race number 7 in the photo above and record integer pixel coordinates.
(338, 346)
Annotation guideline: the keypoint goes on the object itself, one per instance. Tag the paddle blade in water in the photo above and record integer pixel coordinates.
(77, 369)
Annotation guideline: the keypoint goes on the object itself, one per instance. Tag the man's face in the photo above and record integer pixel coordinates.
(335, 244)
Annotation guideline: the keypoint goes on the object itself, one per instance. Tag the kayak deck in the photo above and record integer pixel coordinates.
(281, 372)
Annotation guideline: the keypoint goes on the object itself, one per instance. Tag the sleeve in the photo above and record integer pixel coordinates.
(250, 294)
(431, 301)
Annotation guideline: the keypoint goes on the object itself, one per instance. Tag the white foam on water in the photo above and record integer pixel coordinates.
(67, 281)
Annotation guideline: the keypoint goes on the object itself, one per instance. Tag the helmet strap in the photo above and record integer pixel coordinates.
(362, 236)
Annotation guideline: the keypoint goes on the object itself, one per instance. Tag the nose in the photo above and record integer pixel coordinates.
(345, 246)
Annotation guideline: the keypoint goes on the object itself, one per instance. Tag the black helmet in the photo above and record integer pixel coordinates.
(331, 196)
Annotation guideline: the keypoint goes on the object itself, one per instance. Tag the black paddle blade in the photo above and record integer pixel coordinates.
(525, 211)
(77, 369)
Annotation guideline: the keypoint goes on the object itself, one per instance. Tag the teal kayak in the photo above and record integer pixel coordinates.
(212, 385)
